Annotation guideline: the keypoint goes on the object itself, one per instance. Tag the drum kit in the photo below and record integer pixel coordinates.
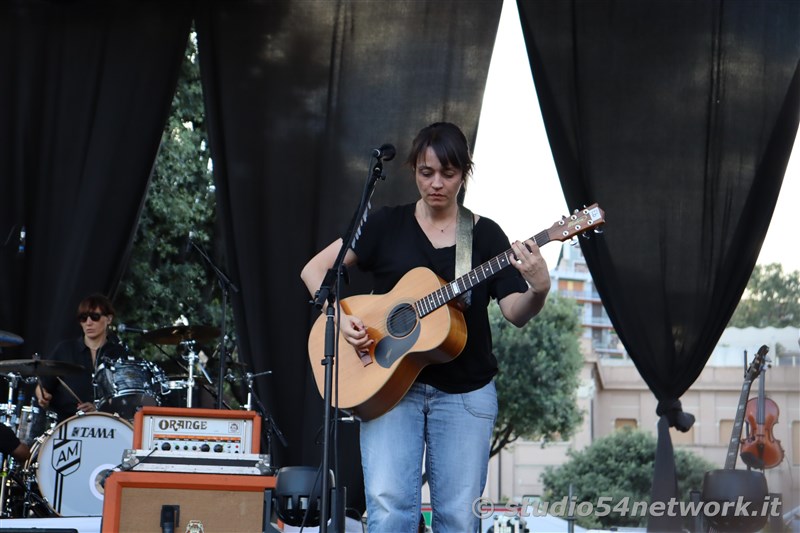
(70, 460)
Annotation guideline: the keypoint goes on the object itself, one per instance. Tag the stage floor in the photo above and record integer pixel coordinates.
(81, 524)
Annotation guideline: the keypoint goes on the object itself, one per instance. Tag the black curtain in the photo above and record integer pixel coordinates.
(297, 95)
(85, 88)
(679, 119)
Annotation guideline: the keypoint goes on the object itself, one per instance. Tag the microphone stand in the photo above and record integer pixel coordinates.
(327, 294)
(270, 426)
(225, 284)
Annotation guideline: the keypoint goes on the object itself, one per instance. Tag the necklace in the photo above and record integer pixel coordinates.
(418, 213)
(441, 229)
(434, 226)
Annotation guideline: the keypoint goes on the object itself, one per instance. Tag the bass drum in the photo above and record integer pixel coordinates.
(73, 460)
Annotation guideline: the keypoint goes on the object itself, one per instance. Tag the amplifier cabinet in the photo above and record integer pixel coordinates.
(230, 503)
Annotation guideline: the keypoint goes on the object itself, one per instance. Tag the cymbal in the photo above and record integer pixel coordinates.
(40, 367)
(180, 334)
(9, 339)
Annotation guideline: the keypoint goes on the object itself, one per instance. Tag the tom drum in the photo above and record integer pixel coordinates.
(126, 384)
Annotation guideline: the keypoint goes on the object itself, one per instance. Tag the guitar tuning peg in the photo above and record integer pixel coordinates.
(573, 241)
(598, 230)
(585, 235)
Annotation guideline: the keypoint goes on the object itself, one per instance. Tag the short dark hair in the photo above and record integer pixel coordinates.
(448, 142)
(96, 301)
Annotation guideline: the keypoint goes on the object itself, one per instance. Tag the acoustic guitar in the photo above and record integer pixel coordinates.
(415, 324)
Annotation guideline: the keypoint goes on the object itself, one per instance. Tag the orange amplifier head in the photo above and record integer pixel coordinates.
(201, 430)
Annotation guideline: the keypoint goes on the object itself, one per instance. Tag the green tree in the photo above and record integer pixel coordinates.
(167, 279)
(539, 366)
(619, 468)
(772, 298)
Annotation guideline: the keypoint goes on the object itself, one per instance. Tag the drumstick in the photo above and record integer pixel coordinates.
(69, 390)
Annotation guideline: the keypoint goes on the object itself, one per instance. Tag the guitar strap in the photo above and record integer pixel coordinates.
(464, 223)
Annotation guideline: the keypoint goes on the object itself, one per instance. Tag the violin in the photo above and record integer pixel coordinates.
(760, 449)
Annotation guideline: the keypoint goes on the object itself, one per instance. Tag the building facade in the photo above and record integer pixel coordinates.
(614, 395)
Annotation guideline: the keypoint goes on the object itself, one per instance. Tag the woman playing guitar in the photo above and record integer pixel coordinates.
(449, 410)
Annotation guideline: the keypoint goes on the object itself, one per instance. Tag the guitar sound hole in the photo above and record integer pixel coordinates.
(402, 320)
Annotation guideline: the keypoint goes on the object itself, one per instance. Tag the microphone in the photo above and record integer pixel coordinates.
(122, 328)
(385, 152)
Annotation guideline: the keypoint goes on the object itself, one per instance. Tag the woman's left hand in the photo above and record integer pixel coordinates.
(531, 265)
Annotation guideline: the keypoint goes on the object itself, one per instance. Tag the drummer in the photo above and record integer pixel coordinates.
(70, 394)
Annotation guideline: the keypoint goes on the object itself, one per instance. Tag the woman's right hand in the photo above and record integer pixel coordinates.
(43, 397)
(355, 333)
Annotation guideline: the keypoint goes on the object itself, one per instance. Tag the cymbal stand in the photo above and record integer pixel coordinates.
(192, 358)
(10, 408)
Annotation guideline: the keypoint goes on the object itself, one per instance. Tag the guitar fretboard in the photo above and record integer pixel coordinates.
(738, 422)
(736, 435)
(477, 275)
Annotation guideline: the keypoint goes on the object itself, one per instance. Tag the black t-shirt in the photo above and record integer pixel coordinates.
(76, 351)
(8, 440)
(392, 243)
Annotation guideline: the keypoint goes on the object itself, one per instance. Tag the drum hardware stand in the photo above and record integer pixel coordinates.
(192, 357)
(10, 417)
(226, 285)
(10, 408)
(30, 499)
(5, 511)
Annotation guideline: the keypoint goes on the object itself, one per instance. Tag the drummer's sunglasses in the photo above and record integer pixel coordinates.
(94, 316)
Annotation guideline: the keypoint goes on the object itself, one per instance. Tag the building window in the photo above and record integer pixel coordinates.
(725, 430)
(679, 437)
(620, 423)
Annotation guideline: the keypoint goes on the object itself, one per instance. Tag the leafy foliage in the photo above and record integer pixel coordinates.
(772, 298)
(539, 373)
(619, 468)
(167, 278)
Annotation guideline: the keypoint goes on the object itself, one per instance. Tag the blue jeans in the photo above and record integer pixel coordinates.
(453, 431)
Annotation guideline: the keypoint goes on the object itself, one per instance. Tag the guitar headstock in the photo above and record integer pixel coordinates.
(580, 221)
(758, 363)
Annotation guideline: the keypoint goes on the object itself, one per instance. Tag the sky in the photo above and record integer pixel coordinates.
(523, 193)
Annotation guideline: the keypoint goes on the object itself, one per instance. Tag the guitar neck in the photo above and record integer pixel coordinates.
(736, 433)
(476, 276)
